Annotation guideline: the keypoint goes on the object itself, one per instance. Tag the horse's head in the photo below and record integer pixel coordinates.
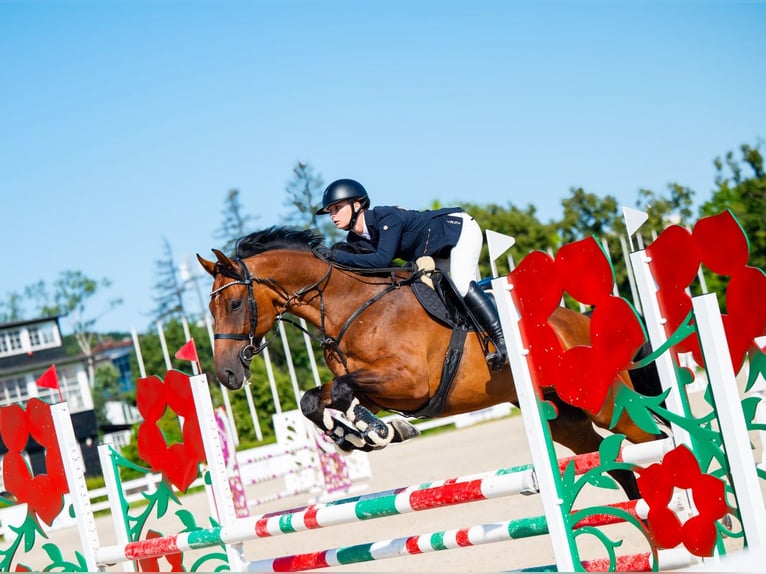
(243, 311)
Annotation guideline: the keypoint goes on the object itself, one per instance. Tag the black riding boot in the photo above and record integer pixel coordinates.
(482, 307)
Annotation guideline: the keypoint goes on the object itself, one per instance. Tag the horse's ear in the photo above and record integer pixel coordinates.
(224, 261)
(208, 266)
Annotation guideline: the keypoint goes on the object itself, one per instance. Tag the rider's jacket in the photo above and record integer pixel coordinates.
(404, 234)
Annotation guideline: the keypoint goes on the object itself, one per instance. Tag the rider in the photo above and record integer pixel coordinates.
(449, 235)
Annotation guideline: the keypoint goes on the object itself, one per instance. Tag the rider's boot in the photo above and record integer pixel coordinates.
(482, 307)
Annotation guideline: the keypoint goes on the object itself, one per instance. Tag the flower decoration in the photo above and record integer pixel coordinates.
(44, 493)
(178, 463)
(719, 243)
(657, 483)
(582, 375)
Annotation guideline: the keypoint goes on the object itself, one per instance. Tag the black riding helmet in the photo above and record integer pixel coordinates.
(342, 189)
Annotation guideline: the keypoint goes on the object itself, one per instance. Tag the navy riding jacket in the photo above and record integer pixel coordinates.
(404, 234)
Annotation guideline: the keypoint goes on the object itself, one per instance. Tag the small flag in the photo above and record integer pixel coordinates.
(49, 379)
(188, 352)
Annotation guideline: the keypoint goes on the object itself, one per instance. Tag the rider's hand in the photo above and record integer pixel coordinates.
(324, 252)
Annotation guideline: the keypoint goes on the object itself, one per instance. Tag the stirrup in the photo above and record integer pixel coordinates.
(496, 360)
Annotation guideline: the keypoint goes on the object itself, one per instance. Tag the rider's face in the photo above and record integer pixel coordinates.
(340, 213)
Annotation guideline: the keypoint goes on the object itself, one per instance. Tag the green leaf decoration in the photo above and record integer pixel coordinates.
(28, 531)
(610, 448)
(600, 480)
(757, 367)
(188, 520)
(638, 407)
(749, 407)
(683, 375)
(547, 410)
(163, 496)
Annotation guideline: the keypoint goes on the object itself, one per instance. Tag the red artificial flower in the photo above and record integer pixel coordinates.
(583, 375)
(44, 493)
(657, 483)
(178, 463)
(719, 243)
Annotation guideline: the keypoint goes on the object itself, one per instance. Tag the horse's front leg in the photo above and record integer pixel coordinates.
(314, 403)
(376, 432)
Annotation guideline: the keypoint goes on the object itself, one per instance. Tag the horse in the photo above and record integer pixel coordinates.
(385, 351)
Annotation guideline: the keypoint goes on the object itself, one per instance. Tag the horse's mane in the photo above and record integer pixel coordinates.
(277, 237)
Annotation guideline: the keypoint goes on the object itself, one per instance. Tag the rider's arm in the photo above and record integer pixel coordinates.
(390, 233)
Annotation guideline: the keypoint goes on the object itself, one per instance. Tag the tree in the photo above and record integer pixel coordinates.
(12, 309)
(304, 195)
(521, 224)
(587, 214)
(71, 294)
(169, 287)
(741, 187)
(664, 211)
(235, 224)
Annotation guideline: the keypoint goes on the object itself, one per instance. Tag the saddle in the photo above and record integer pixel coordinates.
(438, 295)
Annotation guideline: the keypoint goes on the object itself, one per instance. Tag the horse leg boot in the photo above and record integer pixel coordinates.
(376, 432)
(345, 436)
(482, 307)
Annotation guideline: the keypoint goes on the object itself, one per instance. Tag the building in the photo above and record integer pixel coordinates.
(27, 350)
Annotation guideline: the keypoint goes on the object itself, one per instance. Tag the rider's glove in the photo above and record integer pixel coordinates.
(324, 252)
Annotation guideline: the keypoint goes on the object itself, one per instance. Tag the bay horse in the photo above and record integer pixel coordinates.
(384, 350)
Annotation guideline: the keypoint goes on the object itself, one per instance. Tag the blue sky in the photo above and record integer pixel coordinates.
(125, 122)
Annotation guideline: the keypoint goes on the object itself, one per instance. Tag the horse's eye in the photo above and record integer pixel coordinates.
(236, 305)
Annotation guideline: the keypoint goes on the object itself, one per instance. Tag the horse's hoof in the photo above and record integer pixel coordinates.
(403, 430)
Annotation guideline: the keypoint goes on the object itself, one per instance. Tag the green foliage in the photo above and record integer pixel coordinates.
(741, 187)
(522, 225)
(304, 197)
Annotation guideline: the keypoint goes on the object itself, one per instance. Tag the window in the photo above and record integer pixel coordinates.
(34, 336)
(43, 335)
(14, 338)
(13, 391)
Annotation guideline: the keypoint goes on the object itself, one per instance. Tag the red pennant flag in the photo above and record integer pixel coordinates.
(49, 379)
(188, 352)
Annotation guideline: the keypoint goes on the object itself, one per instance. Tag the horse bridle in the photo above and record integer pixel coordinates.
(249, 351)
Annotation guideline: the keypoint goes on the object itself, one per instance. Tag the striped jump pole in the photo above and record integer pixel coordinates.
(449, 540)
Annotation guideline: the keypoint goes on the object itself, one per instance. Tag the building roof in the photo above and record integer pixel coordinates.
(22, 322)
(42, 359)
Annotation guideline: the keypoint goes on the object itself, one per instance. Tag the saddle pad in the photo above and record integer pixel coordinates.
(433, 304)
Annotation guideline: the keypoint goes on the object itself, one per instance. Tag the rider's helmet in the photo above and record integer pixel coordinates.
(342, 189)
